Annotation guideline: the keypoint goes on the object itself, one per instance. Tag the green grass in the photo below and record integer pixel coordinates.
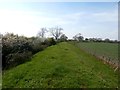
(61, 66)
(108, 50)
(0, 80)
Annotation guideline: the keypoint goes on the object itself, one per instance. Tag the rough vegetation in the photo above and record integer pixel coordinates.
(61, 66)
(19, 49)
(56, 62)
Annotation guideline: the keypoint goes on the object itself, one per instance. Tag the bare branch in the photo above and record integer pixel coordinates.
(56, 32)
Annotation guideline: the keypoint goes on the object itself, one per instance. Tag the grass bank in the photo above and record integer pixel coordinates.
(61, 66)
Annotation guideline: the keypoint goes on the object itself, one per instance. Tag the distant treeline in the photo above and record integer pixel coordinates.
(78, 37)
(19, 49)
(96, 40)
(100, 40)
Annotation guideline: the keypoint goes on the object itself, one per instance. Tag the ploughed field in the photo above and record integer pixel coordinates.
(61, 66)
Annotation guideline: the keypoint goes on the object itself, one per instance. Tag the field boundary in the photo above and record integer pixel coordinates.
(104, 59)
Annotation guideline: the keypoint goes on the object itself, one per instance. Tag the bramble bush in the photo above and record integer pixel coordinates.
(19, 49)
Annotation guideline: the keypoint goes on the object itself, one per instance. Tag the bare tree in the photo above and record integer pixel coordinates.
(42, 32)
(56, 32)
(78, 37)
(63, 37)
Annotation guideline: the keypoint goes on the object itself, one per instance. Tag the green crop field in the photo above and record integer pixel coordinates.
(61, 66)
(108, 50)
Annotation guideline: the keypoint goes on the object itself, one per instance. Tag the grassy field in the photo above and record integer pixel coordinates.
(61, 66)
(108, 50)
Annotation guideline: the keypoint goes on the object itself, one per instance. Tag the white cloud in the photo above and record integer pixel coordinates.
(97, 24)
(17, 22)
(106, 16)
(29, 22)
(25, 21)
(66, 19)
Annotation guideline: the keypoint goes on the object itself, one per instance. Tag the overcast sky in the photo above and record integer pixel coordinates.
(98, 20)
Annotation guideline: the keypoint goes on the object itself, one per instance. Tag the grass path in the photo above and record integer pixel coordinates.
(62, 65)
